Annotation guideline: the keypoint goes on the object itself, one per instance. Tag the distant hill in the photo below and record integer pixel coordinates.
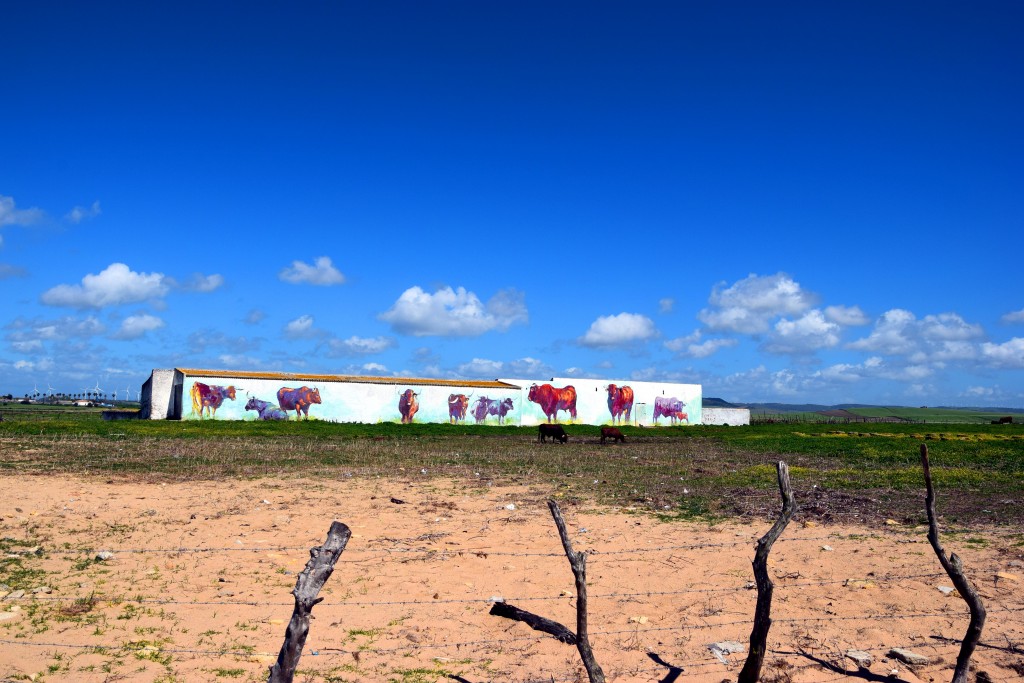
(711, 402)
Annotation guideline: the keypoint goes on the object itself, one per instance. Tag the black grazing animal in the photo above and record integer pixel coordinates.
(554, 431)
(612, 433)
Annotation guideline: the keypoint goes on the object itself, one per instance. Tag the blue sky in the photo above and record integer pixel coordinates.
(789, 202)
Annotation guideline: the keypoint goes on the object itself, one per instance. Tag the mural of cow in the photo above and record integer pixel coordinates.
(265, 410)
(208, 397)
(551, 400)
(457, 406)
(298, 400)
(671, 408)
(492, 406)
(620, 403)
(408, 405)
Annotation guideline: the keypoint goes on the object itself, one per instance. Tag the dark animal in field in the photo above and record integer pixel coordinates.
(612, 433)
(265, 409)
(556, 432)
(620, 402)
(206, 398)
(492, 406)
(457, 406)
(1008, 420)
(671, 408)
(298, 400)
(408, 405)
(551, 400)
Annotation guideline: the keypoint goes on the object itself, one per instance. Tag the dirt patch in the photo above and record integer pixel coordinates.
(198, 586)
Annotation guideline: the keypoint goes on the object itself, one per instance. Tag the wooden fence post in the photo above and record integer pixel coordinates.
(318, 569)
(762, 614)
(578, 562)
(955, 568)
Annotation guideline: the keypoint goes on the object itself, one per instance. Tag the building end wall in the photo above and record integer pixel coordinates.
(158, 396)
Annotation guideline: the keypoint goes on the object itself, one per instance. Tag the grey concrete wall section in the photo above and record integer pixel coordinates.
(726, 416)
(158, 396)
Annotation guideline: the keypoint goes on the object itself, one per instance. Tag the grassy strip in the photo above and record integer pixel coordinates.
(678, 472)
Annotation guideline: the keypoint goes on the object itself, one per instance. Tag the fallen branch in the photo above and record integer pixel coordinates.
(751, 672)
(318, 569)
(955, 568)
(537, 623)
(578, 562)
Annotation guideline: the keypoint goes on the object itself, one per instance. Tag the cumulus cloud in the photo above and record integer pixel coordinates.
(934, 338)
(358, 346)
(482, 367)
(136, 326)
(35, 331)
(301, 328)
(117, 284)
(1014, 317)
(321, 273)
(1006, 355)
(11, 215)
(690, 346)
(81, 213)
(198, 282)
(201, 340)
(807, 333)
(491, 369)
(749, 305)
(847, 316)
(949, 327)
(454, 312)
(893, 334)
(374, 368)
(619, 330)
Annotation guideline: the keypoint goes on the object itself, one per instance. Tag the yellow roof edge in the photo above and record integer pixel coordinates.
(357, 379)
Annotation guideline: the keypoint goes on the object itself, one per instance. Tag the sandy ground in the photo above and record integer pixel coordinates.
(199, 587)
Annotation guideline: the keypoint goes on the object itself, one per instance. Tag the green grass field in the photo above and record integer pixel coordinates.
(864, 472)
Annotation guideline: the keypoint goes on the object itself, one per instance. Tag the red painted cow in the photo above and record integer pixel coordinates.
(408, 405)
(671, 408)
(206, 398)
(551, 400)
(620, 402)
(298, 400)
(457, 406)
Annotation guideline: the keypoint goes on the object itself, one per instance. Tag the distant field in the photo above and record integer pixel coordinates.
(865, 472)
(923, 415)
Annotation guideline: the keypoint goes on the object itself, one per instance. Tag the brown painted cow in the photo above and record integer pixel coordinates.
(620, 403)
(408, 405)
(458, 404)
(551, 400)
(298, 400)
(206, 398)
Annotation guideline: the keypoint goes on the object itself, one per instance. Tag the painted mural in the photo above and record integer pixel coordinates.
(508, 401)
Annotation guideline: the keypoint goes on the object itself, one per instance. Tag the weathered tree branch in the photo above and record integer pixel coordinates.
(954, 567)
(578, 562)
(318, 569)
(536, 622)
(762, 613)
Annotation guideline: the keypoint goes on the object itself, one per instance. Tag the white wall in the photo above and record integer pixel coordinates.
(726, 416)
(158, 396)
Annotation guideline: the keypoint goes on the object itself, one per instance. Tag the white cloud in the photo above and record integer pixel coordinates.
(749, 305)
(1006, 355)
(115, 285)
(949, 327)
(301, 328)
(322, 273)
(81, 213)
(847, 316)
(666, 305)
(807, 333)
(454, 312)
(893, 334)
(31, 333)
(1014, 317)
(374, 368)
(198, 282)
(619, 330)
(235, 360)
(254, 317)
(11, 215)
(356, 346)
(135, 326)
(690, 346)
(491, 369)
(482, 367)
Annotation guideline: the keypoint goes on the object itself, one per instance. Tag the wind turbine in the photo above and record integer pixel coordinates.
(128, 393)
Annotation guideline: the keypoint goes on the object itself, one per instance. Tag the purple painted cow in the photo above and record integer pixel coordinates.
(491, 406)
(206, 398)
(671, 408)
(265, 409)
